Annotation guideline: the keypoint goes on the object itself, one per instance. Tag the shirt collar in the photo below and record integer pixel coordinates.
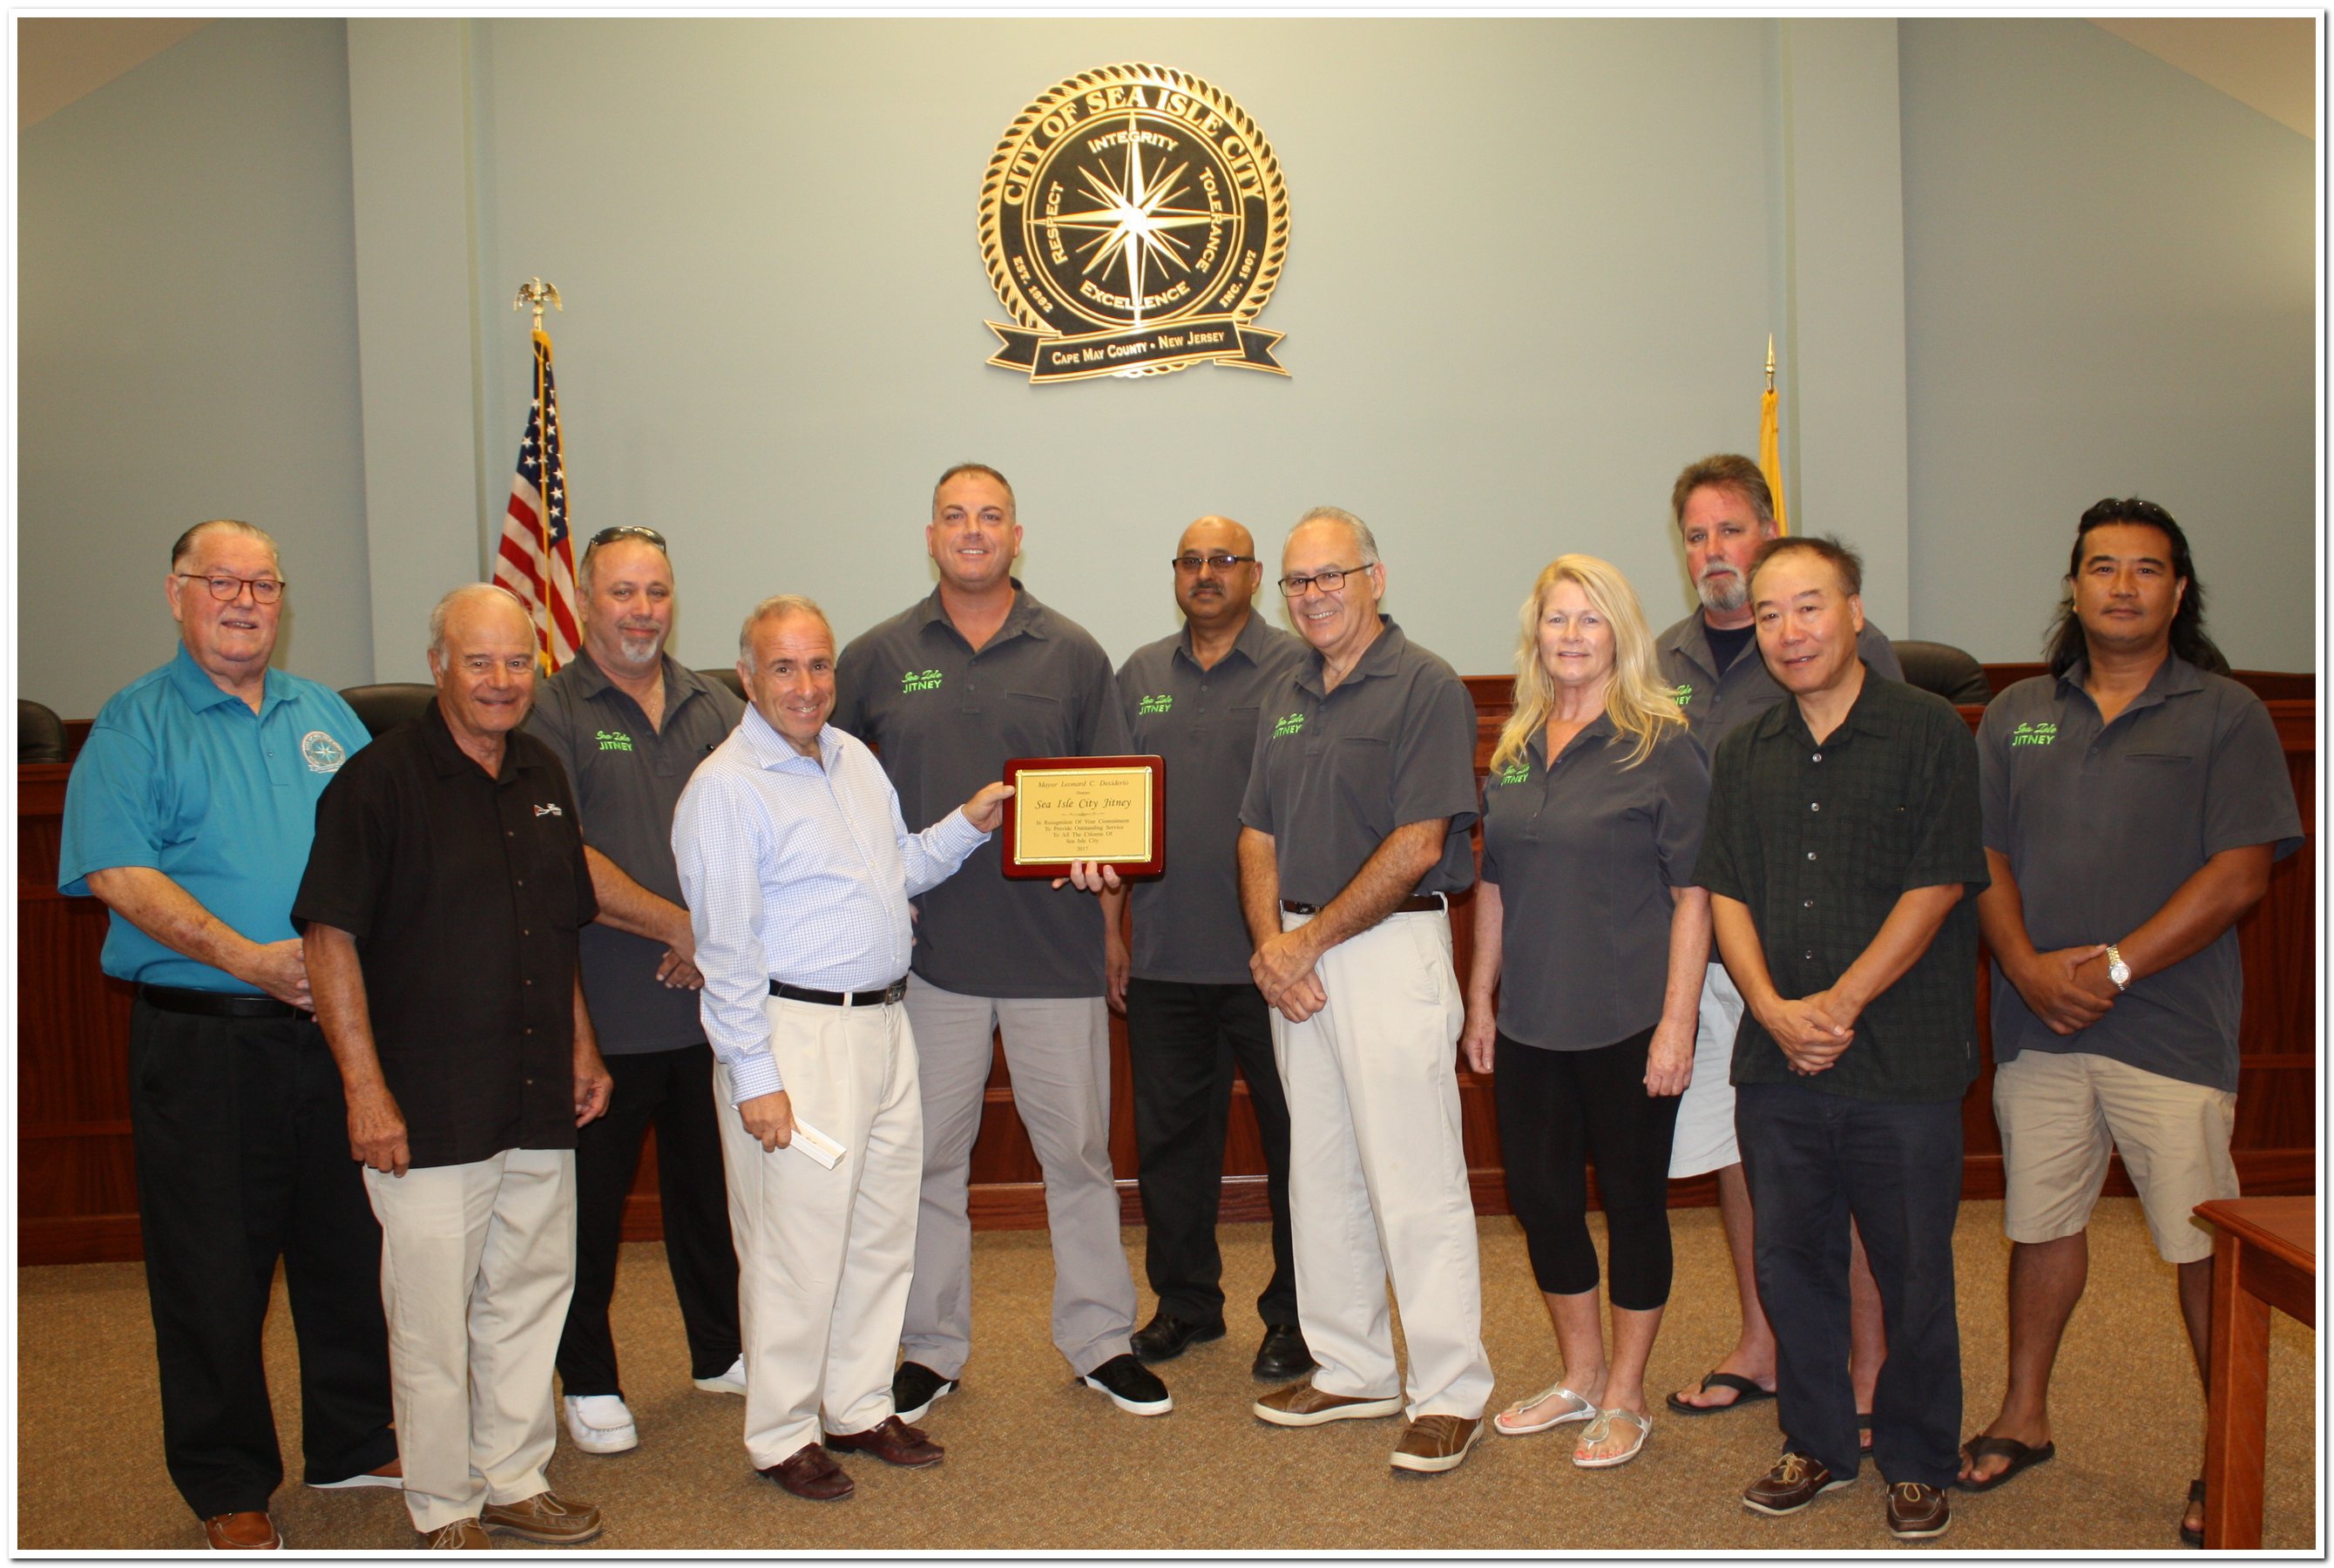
(1868, 716)
(451, 761)
(592, 681)
(201, 693)
(1021, 620)
(1691, 638)
(1382, 657)
(1249, 644)
(2176, 677)
(773, 753)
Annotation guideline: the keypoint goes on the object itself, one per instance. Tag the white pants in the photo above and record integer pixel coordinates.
(477, 1264)
(1057, 1054)
(1704, 1139)
(1378, 1176)
(823, 1255)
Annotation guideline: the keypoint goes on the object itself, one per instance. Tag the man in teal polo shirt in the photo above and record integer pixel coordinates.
(188, 813)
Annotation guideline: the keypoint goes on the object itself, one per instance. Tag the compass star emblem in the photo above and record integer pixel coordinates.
(1133, 221)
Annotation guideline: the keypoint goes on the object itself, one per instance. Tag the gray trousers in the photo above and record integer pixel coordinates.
(1057, 1053)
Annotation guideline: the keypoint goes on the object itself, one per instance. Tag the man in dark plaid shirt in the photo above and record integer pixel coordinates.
(1843, 836)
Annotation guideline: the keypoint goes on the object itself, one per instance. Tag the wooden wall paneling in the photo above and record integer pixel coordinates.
(76, 1188)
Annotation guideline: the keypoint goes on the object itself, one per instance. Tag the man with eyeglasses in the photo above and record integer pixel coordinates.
(1192, 1010)
(947, 691)
(1353, 837)
(631, 723)
(188, 815)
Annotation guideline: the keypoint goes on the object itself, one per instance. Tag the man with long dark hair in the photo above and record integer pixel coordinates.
(2133, 803)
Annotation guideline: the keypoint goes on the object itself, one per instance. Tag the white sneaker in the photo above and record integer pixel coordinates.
(732, 1381)
(599, 1423)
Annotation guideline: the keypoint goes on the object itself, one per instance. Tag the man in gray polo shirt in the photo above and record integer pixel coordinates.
(950, 690)
(631, 723)
(1353, 836)
(2133, 806)
(1723, 512)
(1192, 1011)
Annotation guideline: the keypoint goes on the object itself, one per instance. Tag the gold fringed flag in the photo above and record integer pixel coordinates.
(1771, 441)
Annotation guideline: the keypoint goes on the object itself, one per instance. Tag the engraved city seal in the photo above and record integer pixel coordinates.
(1133, 221)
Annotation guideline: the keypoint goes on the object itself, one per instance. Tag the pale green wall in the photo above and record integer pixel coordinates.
(1533, 267)
(2111, 289)
(186, 349)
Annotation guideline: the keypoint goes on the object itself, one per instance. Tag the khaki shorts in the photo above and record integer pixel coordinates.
(2060, 1110)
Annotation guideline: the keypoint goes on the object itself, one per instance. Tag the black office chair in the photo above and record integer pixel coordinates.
(1942, 667)
(728, 676)
(385, 707)
(40, 733)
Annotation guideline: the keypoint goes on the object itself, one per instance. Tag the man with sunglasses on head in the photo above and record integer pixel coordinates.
(631, 723)
(1353, 837)
(188, 815)
(1192, 1010)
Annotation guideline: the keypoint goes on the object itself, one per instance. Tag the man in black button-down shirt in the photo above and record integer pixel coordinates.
(1843, 834)
(440, 912)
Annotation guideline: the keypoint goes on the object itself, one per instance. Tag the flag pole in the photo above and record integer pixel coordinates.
(1771, 441)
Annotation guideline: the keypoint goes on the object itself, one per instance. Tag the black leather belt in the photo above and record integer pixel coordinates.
(219, 1004)
(883, 998)
(1416, 904)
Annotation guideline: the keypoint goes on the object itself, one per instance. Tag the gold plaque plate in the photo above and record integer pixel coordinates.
(1108, 809)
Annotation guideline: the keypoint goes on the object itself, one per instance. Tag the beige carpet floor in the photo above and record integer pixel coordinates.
(1036, 1463)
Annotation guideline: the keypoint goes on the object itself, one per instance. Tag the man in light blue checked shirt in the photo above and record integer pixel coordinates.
(798, 870)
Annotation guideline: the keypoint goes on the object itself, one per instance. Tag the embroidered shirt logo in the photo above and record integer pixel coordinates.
(1159, 704)
(322, 752)
(1287, 724)
(549, 809)
(920, 680)
(2034, 734)
(613, 740)
(1516, 773)
(1682, 694)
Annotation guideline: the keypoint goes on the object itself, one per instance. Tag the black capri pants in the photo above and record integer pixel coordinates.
(1558, 1110)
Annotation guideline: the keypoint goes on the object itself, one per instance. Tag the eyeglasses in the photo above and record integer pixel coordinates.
(629, 531)
(1327, 582)
(264, 590)
(1222, 561)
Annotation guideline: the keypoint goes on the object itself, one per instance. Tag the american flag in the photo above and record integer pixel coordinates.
(535, 561)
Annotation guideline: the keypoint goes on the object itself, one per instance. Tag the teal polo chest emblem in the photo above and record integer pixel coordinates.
(918, 680)
(2034, 734)
(1287, 724)
(613, 740)
(322, 752)
(1151, 705)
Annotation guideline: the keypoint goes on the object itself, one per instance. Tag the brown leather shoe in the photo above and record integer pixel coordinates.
(462, 1535)
(807, 1472)
(1303, 1405)
(1917, 1513)
(546, 1517)
(1795, 1481)
(250, 1531)
(1433, 1444)
(892, 1440)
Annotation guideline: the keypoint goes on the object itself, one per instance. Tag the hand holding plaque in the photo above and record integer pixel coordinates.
(1105, 810)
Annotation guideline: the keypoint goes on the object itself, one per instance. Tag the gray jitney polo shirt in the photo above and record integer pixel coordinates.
(1188, 925)
(628, 777)
(1715, 703)
(1336, 772)
(944, 720)
(2102, 823)
(1585, 852)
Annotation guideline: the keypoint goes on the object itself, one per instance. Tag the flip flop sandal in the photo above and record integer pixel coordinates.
(2192, 1537)
(1601, 1429)
(1746, 1392)
(1580, 1410)
(2019, 1455)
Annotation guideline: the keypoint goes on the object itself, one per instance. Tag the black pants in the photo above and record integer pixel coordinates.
(1557, 1109)
(1183, 1041)
(242, 1141)
(673, 1089)
(1814, 1160)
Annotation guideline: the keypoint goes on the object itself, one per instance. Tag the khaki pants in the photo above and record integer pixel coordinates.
(823, 1255)
(1377, 1178)
(477, 1265)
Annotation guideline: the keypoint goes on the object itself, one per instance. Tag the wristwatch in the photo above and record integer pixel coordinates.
(2118, 970)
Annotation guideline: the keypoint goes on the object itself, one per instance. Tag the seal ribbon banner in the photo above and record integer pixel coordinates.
(1133, 221)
